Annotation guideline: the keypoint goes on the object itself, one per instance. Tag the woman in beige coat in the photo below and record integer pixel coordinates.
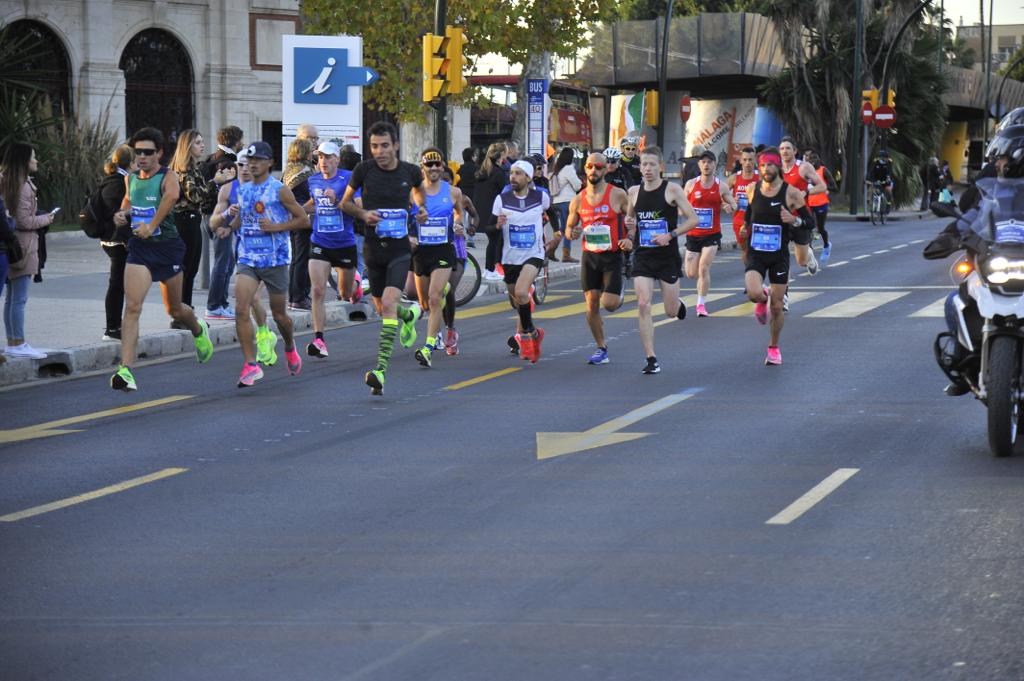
(20, 196)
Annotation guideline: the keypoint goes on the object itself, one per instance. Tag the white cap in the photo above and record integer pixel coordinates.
(524, 166)
(329, 149)
(242, 156)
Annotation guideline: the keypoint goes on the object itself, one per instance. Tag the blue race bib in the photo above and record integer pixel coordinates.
(143, 216)
(328, 217)
(434, 231)
(742, 200)
(394, 223)
(522, 236)
(766, 238)
(256, 241)
(705, 218)
(650, 229)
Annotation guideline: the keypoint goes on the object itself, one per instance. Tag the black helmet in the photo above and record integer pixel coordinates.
(1009, 142)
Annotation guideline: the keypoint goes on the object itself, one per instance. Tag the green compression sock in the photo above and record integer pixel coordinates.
(388, 331)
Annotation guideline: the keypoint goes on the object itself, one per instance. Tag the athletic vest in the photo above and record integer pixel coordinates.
(707, 204)
(331, 227)
(768, 233)
(655, 215)
(600, 223)
(440, 225)
(793, 178)
(739, 190)
(256, 248)
(144, 195)
(818, 200)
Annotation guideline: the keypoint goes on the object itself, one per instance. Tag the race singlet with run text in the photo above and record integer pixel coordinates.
(394, 223)
(434, 231)
(766, 238)
(143, 216)
(650, 229)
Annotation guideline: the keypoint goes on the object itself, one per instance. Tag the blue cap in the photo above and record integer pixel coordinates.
(259, 150)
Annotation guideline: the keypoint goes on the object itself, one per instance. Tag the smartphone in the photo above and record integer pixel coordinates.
(55, 210)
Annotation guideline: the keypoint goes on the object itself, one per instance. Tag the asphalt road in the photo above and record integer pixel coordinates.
(304, 530)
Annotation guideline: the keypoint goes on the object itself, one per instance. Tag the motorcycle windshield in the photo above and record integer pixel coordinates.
(999, 216)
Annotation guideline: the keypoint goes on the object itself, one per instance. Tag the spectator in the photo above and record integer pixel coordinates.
(931, 182)
(296, 175)
(490, 178)
(690, 168)
(112, 189)
(565, 185)
(946, 175)
(467, 179)
(10, 249)
(348, 160)
(229, 144)
(511, 153)
(19, 191)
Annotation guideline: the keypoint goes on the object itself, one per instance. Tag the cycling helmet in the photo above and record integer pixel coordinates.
(632, 141)
(1009, 142)
(612, 154)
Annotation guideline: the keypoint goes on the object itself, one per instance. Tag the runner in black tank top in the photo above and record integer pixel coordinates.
(653, 219)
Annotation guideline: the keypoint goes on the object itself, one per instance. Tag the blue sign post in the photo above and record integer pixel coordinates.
(536, 138)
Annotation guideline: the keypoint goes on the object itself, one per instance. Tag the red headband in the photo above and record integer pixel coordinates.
(771, 158)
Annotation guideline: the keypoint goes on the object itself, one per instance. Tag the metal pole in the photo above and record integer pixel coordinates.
(999, 92)
(853, 160)
(942, 30)
(663, 77)
(441, 119)
(988, 78)
(885, 65)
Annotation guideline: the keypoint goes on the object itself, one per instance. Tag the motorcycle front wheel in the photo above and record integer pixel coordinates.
(1002, 386)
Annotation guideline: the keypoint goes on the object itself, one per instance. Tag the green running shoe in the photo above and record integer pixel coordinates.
(123, 380)
(266, 340)
(204, 346)
(423, 356)
(375, 379)
(407, 334)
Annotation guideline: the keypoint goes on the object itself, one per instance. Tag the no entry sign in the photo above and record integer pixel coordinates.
(885, 116)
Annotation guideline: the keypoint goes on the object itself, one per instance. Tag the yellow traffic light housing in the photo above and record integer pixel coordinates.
(435, 67)
(871, 96)
(456, 59)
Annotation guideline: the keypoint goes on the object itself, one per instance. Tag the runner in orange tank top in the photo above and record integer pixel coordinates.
(738, 183)
(708, 199)
(819, 203)
(803, 178)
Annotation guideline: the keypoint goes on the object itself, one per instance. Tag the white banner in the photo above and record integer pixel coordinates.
(724, 126)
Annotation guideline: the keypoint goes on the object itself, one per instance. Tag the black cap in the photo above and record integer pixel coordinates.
(260, 150)
(707, 153)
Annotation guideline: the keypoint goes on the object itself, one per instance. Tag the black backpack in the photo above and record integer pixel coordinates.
(93, 217)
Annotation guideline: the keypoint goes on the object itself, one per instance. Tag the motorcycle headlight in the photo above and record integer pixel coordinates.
(1006, 273)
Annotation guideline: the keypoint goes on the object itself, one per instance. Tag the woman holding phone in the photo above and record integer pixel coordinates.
(20, 196)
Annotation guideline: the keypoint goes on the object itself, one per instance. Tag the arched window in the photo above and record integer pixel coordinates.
(43, 61)
(158, 85)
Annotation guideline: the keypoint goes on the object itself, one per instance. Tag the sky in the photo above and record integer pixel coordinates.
(1006, 11)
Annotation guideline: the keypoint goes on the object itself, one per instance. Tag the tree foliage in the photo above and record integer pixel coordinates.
(392, 35)
(1018, 72)
(644, 10)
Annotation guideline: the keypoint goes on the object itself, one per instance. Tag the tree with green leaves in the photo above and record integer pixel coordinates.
(1018, 72)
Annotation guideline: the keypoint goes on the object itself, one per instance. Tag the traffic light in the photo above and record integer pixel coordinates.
(456, 40)
(435, 67)
(871, 96)
(892, 98)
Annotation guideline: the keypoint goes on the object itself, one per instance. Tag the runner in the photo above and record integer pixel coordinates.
(703, 241)
(520, 214)
(596, 214)
(770, 227)
(267, 213)
(223, 214)
(333, 243)
(818, 203)
(390, 187)
(802, 177)
(451, 337)
(435, 257)
(738, 182)
(155, 253)
(654, 210)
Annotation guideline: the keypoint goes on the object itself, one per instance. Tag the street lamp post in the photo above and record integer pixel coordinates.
(663, 76)
(899, 34)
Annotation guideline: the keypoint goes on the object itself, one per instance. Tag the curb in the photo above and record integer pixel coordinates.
(105, 355)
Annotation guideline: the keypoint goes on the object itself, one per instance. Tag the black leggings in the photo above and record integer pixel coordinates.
(114, 301)
(820, 215)
(188, 223)
(453, 283)
(494, 244)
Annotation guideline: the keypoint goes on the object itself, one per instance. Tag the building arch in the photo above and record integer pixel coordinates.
(48, 64)
(159, 88)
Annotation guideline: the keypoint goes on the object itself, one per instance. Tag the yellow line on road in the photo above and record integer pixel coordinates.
(745, 309)
(503, 306)
(481, 379)
(816, 494)
(858, 304)
(89, 496)
(936, 309)
(658, 309)
(47, 429)
(567, 310)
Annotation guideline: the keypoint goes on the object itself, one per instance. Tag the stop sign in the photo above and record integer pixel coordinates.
(684, 108)
(885, 116)
(867, 113)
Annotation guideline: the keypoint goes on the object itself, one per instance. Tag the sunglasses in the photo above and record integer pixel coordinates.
(629, 148)
(145, 152)
(432, 164)
(594, 166)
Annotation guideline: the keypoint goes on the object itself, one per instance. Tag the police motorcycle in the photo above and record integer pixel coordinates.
(983, 350)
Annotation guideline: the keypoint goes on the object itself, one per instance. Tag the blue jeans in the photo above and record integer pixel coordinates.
(3, 271)
(359, 255)
(14, 307)
(220, 275)
(563, 216)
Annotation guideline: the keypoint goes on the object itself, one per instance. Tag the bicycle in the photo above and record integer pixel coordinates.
(878, 203)
(469, 283)
(540, 284)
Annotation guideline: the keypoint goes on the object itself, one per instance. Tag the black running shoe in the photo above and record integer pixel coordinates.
(513, 345)
(652, 366)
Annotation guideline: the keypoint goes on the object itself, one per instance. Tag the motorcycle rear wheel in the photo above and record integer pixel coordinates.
(1002, 386)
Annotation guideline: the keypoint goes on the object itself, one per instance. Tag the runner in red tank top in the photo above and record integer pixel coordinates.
(738, 183)
(803, 178)
(596, 214)
(708, 200)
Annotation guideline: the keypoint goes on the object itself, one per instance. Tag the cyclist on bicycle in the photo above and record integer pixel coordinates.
(618, 174)
(881, 174)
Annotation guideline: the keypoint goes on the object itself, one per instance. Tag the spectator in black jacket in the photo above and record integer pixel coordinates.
(467, 178)
(490, 179)
(112, 190)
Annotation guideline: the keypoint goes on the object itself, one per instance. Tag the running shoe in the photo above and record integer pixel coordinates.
(220, 313)
(266, 341)
(538, 338)
(525, 341)
(490, 275)
(600, 356)
(785, 301)
(812, 265)
(761, 309)
(375, 379)
(112, 335)
(652, 366)
(204, 346)
(123, 380)
(702, 311)
(423, 356)
(250, 374)
(24, 350)
(681, 314)
(407, 334)
(294, 362)
(357, 294)
(513, 344)
(318, 348)
(826, 253)
(774, 357)
(451, 342)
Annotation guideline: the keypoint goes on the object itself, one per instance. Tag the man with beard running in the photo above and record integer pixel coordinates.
(654, 211)
(596, 213)
(776, 215)
(702, 243)
(800, 176)
(738, 183)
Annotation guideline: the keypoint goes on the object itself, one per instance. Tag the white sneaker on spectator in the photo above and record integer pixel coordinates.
(491, 275)
(24, 350)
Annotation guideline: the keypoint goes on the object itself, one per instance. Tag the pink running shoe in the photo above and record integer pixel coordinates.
(250, 374)
(318, 348)
(761, 310)
(451, 342)
(702, 311)
(774, 357)
(294, 361)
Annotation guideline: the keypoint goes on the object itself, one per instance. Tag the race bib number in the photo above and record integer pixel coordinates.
(650, 229)
(394, 223)
(598, 238)
(256, 241)
(766, 238)
(522, 236)
(742, 200)
(705, 218)
(328, 217)
(143, 216)
(434, 231)
(1009, 232)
